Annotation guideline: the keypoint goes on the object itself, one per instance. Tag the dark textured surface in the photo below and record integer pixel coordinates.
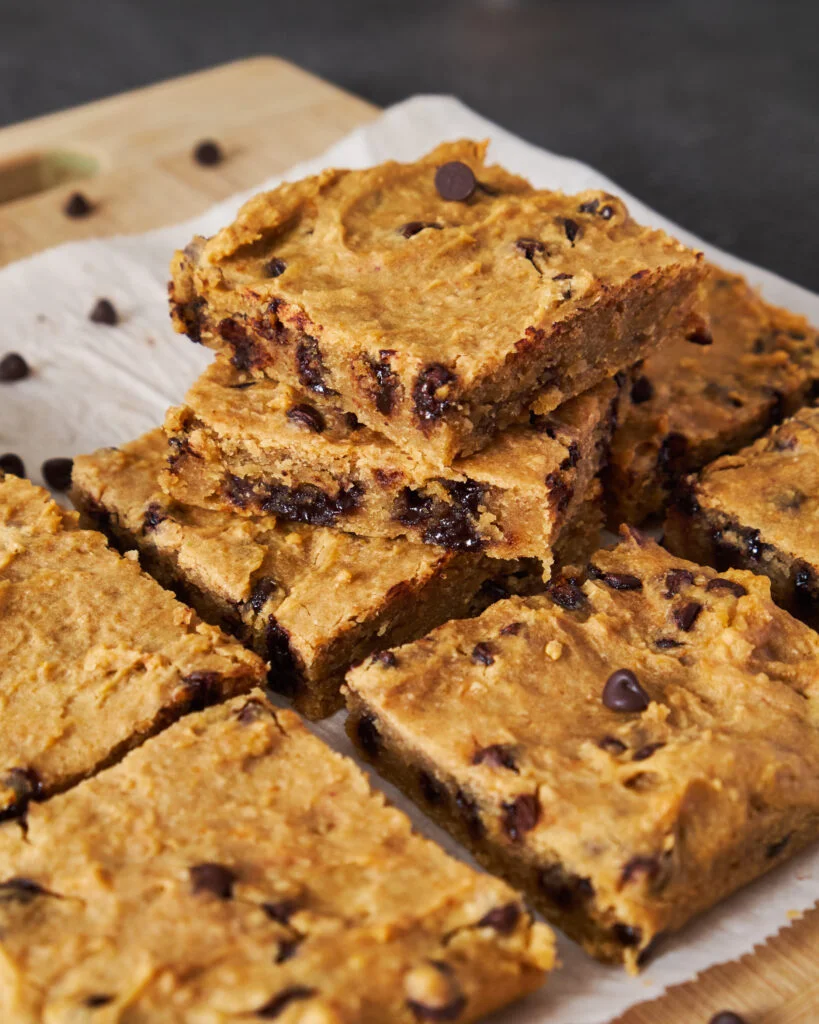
(706, 109)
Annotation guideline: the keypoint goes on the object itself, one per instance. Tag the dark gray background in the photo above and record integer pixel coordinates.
(706, 109)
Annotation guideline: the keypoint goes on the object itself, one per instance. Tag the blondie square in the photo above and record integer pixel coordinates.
(236, 869)
(628, 749)
(709, 394)
(94, 654)
(759, 510)
(247, 446)
(434, 300)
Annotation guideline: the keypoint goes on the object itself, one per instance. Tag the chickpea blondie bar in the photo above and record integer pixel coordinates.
(434, 300)
(708, 395)
(628, 749)
(236, 869)
(94, 654)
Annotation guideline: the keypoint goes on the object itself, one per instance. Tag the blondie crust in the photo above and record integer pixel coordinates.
(759, 510)
(628, 749)
(94, 654)
(244, 445)
(309, 600)
(435, 320)
(236, 869)
(692, 402)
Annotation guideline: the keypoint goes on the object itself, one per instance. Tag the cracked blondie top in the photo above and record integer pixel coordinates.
(246, 445)
(709, 394)
(94, 654)
(434, 314)
(759, 510)
(628, 749)
(235, 868)
(309, 600)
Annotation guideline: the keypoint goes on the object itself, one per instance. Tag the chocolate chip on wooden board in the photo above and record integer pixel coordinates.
(13, 367)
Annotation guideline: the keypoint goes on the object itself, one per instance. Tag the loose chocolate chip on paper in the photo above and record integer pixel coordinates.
(104, 313)
(57, 473)
(623, 692)
(455, 181)
(77, 205)
(13, 367)
(217, 879)
(13, 464)
(208, 153)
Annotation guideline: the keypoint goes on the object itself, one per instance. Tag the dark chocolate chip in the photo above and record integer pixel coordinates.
(433, 791)
(412, 508)
(572, 458)
(607, 212)
(754, 546)
(104, 313)
(512, 629)
(520, 815)
(307, 416)
(623, 692)
(201, 688)
(385, 658)
(352, 421)
(57, 473)
(642, 390)
(25, 786)
(455, 181)
(310, 366)
(566, 595)
(626, 935)
(675, 580)
(369, 738)
(686, 615)
(208, 153)
(640, 867)
(470, 814)
(529, 247)
(309, 504)
(615, 580)
(77, 205)
(774, 849)
(216, 879)
(448, 1011)
(13, 367)
(279, 1003)
(20, 890)
(646, 751)
(731, 586)
(13, 464)
(251, 711)
(565, 891)
(97, 1000)
(571, 227)
(497, 755)
(429, 404)
(414, 226)
(640, 275)
(503, 919)
(152, 517)
(284, 675)
(483, 654)
(611, 744)
(287, 950)
(673, 449)
(589, 207)
(275, 267)
(666, 643)
(280, 911)
(560, 492)
(727, 1017)
(262, 589)
(455, 530)
(700, 337)
(386, 382)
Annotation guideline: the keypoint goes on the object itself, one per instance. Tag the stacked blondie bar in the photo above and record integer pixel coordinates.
(431, 384)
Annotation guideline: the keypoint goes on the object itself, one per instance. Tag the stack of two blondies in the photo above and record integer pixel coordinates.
(426, 358)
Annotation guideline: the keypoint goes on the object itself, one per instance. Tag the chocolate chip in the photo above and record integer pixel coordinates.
(646, 751)
(13, 367)
(414, 226)
(278, 1004)
(623, 692)
(310, 366)
(287, 950)
(566, 595)
(20, 890)
(251, 711)
(448, 1010)
(503, 919)
(700, 337)
(640, 275)
(201, 688)
(607, 212)
(280, 911)
(589, 207)
(307, 503)
(571, 227)
(665, 643)
(454, 530)
(429, 404)
(470, 814)
(386, 382)
(513, 628)
(412, 508)
(274, 267)
(369, 738)
(686, 615)
(640, 867)
(216, 879)
(529, 247)
(774, 849)
(731, 586)
(284, 675)
(642, 390)
(208, 153)
(754, 546)
(560, 493)
(673, 449)
(385, 658)
(13, 464)
(57, 473)
(152, 517)
(432, 791)
(727, 1017)
(77, 205)
(104, 313)
(497, 755)
(675, 580)
(98, 999)
(520, 815)
(615, 580)
(352, 421)
(307, 416)
(565, 891)
(25, 786)
(482, 654)
(262, 590)
(626, 935)
(455, 181)
(611, 744)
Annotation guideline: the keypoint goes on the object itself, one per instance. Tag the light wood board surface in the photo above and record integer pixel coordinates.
(267, 115)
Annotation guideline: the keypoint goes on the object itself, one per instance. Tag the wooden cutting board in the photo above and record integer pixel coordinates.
(131, 155)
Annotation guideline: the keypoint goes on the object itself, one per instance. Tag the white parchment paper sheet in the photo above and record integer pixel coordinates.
(95, 385)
